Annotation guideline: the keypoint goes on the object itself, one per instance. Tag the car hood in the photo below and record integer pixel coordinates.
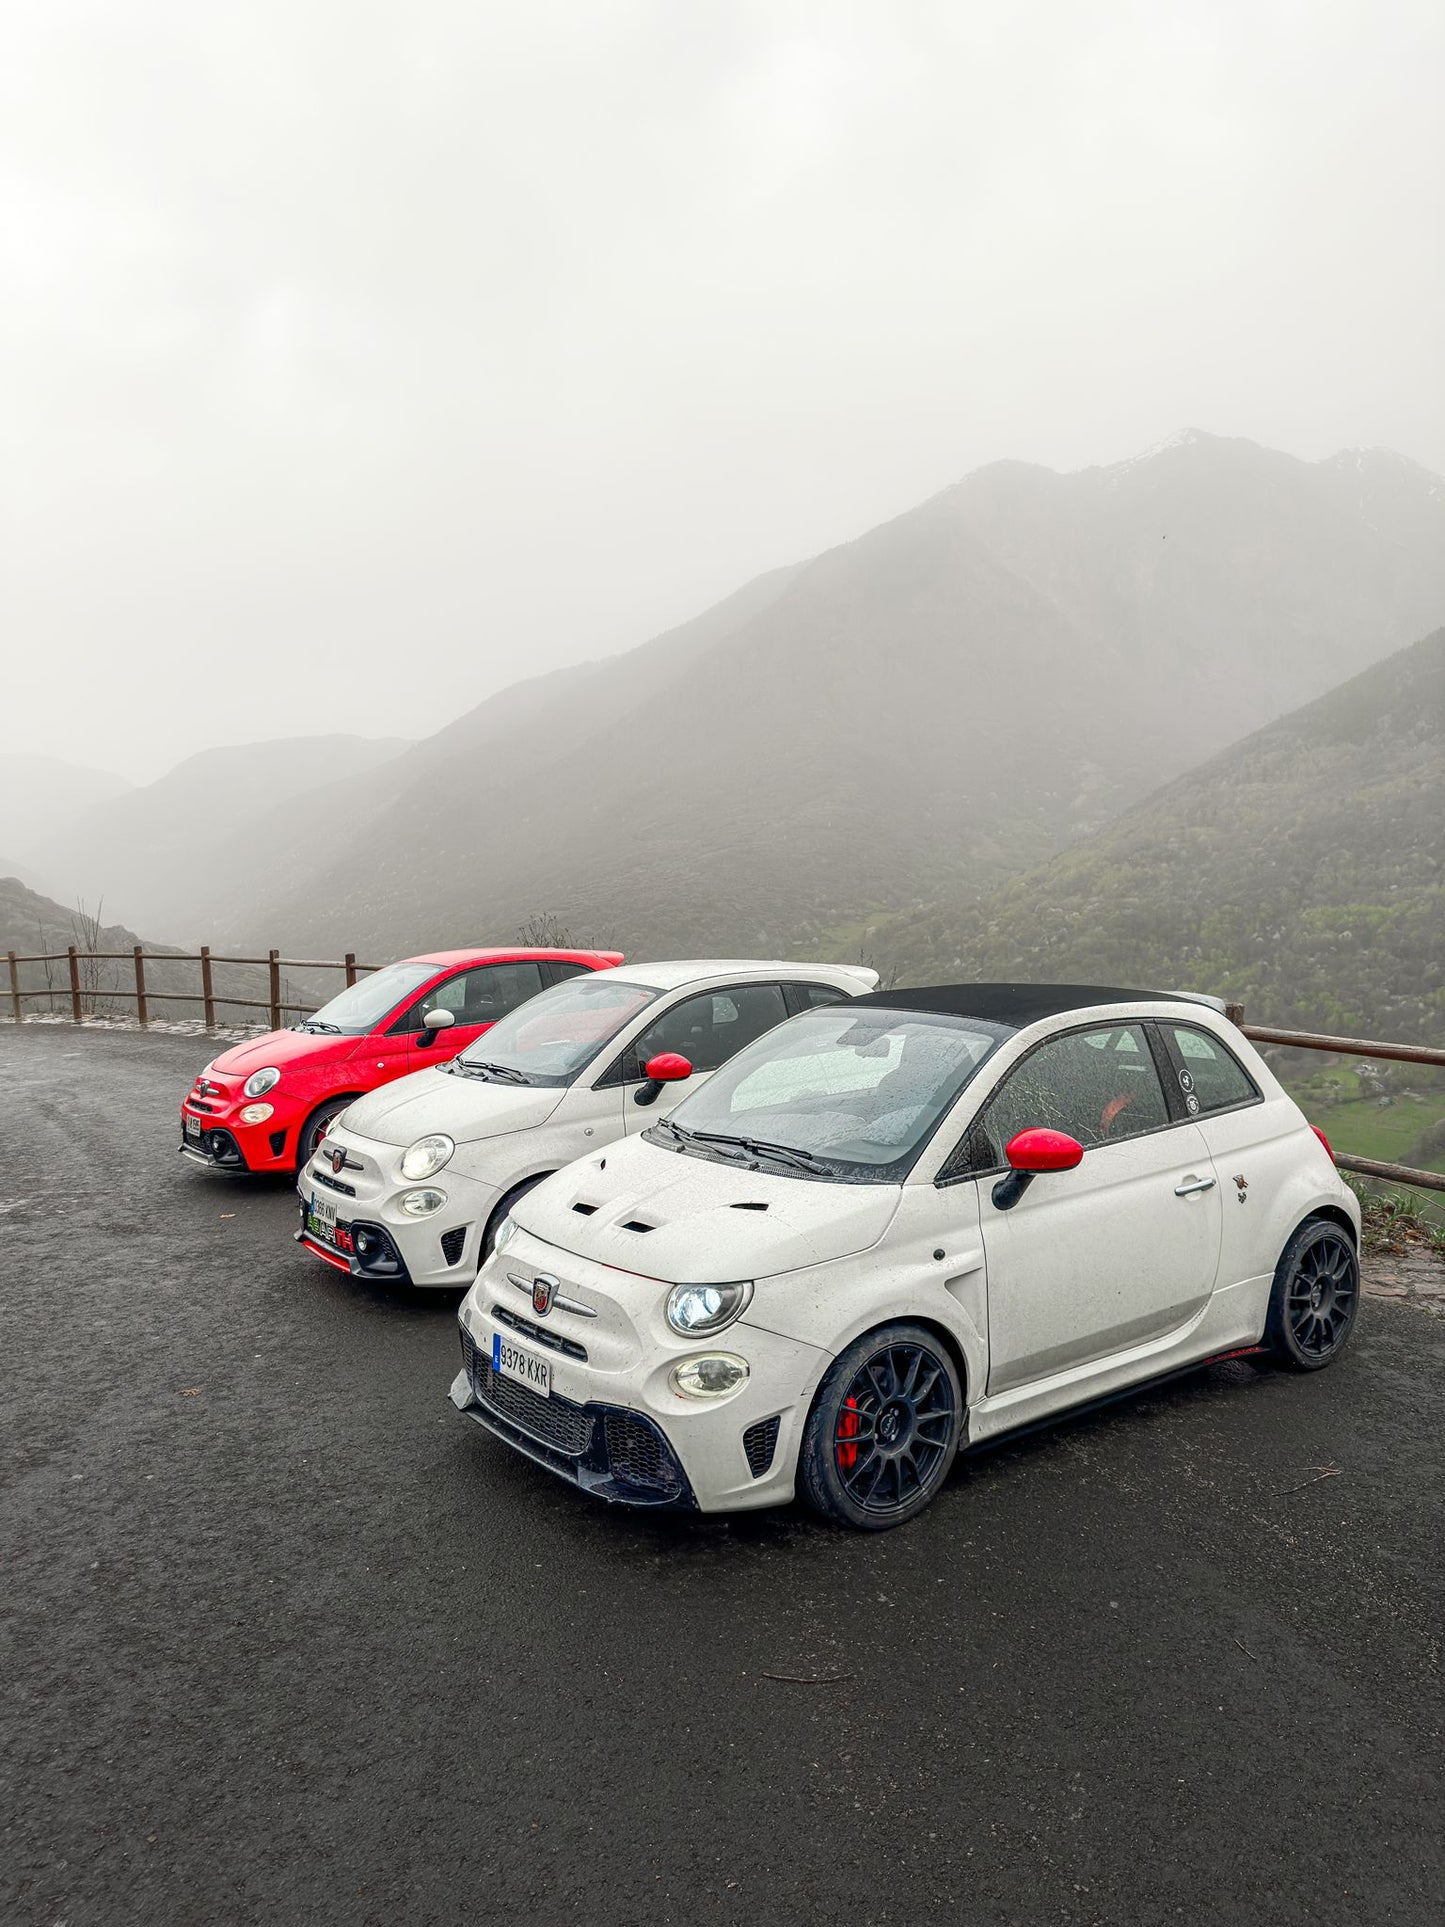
(464, 1107)
(280, 1048)
(705, 1223)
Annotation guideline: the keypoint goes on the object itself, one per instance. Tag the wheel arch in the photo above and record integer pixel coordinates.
(1334, 1214)
(508, 1198)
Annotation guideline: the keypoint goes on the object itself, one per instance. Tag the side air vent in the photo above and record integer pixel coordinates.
(751, 1206)
(760, 1441)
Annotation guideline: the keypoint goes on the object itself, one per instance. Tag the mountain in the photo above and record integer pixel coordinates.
(40, 795)
(33, 925)
(157, 849)
(911, 717)
(1301, 873)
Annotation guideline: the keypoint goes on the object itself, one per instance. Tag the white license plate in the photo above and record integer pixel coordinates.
(322, 1214)
(193, 1126)
(510, 1361)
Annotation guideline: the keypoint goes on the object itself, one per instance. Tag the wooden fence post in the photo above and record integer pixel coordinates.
(1235, 1014)
(15, 988)
(350, 968)
(75, 1011)
(207, 994)
(142, 1013)
(273, 957)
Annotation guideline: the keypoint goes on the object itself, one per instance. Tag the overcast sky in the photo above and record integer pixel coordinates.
(359, 359)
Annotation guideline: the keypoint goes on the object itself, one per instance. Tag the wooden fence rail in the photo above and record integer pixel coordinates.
(1354, 1047)
(143, 997)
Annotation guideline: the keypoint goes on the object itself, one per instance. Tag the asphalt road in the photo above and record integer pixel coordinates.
(287, 1639)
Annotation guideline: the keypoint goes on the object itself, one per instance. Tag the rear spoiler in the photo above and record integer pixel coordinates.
(1199, 997)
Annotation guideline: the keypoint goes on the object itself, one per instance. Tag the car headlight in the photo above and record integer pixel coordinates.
(427, 1156)
(506, 1231)
(255, 1113)
(421, 1204)
(710, 1377)
(259, 1082)
(697, 1310)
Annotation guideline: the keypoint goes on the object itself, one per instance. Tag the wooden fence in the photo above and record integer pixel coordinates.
(1354, 1047)
(80, 993)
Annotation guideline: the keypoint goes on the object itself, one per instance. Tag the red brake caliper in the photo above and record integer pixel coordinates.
(848, 1429)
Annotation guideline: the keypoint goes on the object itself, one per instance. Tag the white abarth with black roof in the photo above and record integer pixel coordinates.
(904, 1226)
(411, 1182)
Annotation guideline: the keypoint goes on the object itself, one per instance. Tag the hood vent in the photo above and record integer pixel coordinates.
(585, 1209)
(752, 1205)
(636, 1224)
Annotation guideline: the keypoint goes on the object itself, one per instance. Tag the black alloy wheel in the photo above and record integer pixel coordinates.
(884, 1429)
(1315, 1297)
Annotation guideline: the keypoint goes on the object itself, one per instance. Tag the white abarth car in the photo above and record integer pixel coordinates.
(903, 1226)
(412, 1181)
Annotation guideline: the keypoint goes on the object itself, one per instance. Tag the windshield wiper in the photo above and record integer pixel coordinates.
(756, 1147)
(310, 1023)
(503, 1073)
(784, 1153)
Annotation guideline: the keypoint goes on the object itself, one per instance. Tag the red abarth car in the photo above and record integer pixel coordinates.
(266, 1104)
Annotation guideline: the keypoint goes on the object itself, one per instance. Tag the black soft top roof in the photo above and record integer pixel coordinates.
(1015, 1005)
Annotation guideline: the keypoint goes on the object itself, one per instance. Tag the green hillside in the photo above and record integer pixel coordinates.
(1299, 873)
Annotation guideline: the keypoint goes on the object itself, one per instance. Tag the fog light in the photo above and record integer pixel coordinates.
(255, 1113)
(421, 1204)
(711, 1377)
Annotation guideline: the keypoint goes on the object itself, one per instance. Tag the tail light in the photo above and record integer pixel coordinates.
(1323, 1140)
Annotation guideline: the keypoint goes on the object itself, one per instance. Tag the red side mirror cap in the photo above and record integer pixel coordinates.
(1040, 1150)
(668, 1067)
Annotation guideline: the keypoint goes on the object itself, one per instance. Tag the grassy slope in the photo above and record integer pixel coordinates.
(1300, 873)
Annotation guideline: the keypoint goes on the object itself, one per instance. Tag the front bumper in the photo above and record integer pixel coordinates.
(625, 1434)
(440, 1250)
(607, 1450)
(225, 1144)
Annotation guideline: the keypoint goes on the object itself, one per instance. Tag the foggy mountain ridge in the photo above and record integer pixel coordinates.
(1298, 872)
(40, 794)
(918, 713)
(151, 850)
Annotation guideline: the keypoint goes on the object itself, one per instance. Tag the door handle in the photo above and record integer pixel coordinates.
(1191, 1185)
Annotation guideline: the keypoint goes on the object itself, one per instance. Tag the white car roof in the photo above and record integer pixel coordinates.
(673, 973)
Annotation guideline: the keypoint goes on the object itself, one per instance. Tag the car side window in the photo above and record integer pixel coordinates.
(812, 996)
(708, 1029)
(1208, 1071)
(478, 996)
(557, 970)
(1099, 1086)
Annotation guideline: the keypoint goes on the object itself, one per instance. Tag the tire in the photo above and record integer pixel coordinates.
(884, 1429)
(1315, 1297)
(316, 1127)
(494, 1223)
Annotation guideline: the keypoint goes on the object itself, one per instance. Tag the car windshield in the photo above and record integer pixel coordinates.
(553, 1037)
(362, 1007)
(835, 1093)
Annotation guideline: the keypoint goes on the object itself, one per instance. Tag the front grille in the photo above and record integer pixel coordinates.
(453, 1242)
(553, 1341)
(557, 1422)
(639, 1455)
(197, 1105)
(333, 1184)
(760, 1441)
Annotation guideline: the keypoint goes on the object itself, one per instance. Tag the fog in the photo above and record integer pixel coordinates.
(360, 360)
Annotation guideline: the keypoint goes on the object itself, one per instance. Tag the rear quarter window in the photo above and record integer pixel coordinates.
(1208, 1071)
